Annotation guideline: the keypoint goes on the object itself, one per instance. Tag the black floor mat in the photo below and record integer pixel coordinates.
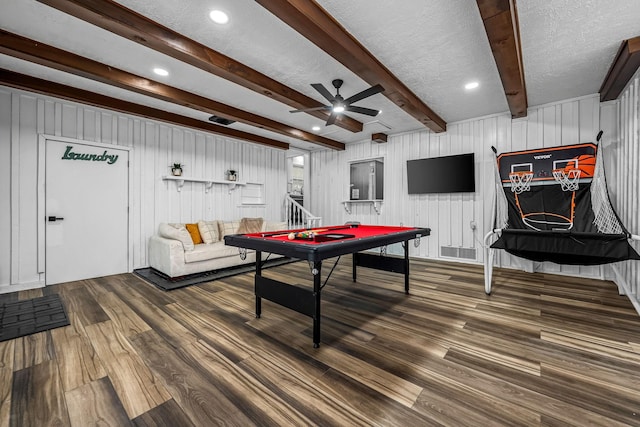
(20, 318)
(167, 283)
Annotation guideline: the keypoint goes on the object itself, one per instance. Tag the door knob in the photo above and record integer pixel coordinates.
(55, 218)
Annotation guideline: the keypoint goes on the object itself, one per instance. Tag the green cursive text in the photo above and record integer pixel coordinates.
(104, 157)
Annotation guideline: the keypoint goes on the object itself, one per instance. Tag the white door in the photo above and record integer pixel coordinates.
(86, 205)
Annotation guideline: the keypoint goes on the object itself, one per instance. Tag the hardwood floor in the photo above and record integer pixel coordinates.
(542, 350)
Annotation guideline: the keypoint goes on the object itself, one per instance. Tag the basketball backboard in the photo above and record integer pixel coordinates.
(543, 161)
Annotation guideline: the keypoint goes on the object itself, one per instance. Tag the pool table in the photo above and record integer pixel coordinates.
(315, 245)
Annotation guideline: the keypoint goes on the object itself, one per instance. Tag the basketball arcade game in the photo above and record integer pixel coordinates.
(548, 206)
(552, 205)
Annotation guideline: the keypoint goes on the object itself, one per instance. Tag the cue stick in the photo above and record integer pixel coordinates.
(317, 230)
(275, 234)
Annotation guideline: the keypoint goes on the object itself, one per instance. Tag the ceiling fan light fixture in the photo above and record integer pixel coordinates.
(337, 104)
(219, 17)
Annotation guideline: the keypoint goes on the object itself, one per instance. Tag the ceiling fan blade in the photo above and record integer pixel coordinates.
(323, 91)
(332, 118)
(364, 94)
(324, 107)
(362, 110)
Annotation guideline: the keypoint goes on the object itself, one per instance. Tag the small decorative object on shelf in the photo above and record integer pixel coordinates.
(176, 169)
(232, 175)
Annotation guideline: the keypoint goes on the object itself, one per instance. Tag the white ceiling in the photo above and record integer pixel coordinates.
(434, 47)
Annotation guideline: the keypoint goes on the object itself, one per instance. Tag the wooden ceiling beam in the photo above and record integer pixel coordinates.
(623, 67)
(500, 19)
(45, 87)
(314, 23)
(126, 23)
(49, 56)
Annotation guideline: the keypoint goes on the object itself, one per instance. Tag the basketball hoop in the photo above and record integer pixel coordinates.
(520, 181)
(568, 179)
(540, 221)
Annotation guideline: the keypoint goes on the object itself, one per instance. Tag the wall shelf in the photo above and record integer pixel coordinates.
(180, 180)
(377, 204)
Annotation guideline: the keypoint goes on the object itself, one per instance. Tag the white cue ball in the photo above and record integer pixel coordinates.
(292, 236)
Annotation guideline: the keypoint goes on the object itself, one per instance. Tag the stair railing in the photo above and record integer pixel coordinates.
(299, 217)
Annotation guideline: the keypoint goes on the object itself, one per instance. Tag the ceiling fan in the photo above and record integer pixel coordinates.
(339, 104)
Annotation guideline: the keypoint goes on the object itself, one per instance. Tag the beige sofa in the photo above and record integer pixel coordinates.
(173, 252)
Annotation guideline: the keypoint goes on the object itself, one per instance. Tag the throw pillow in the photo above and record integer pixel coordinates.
(194, 232)
(209, 231)
(228, 227)
(250, 225)
(179, 233)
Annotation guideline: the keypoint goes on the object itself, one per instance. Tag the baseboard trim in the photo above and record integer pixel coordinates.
(5, 289)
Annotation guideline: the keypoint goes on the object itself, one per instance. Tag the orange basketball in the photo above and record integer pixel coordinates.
(586, 165)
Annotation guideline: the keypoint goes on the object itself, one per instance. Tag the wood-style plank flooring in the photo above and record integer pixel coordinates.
(542, 350)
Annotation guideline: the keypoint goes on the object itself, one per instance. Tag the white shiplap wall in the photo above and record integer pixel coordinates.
(623, 150)
(449, 215)
(155, 146)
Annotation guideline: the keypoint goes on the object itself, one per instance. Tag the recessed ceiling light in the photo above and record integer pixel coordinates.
(471, 85)
(316, 128)
(160, 71)
(219, 17)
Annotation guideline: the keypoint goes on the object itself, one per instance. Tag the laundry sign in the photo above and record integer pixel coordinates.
(104, 157)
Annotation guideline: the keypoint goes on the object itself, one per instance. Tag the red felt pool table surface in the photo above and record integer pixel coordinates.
(357, 233)
(364, 237)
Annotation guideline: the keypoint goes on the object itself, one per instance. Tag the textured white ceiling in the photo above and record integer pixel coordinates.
(569, 45)
(433, 47)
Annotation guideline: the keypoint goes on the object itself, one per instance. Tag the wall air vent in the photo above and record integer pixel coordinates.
(221, 120)
(457, 252)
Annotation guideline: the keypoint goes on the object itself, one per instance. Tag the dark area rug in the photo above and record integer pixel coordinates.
(20, 318)
(167, 283)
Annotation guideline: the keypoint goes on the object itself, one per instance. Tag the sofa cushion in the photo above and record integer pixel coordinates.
(176, 233)
(194, 232)
(274, 226)
(250, 225)
(228, 227)
(207, 252)
(209, 231)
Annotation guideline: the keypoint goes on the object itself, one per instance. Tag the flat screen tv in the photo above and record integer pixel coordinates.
(447, 174)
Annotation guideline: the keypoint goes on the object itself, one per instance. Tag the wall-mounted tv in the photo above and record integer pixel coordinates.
(447, 174)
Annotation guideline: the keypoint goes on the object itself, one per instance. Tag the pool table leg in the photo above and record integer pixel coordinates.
(258, 273)
(354, 263)
(406, 267)
(317, 286)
